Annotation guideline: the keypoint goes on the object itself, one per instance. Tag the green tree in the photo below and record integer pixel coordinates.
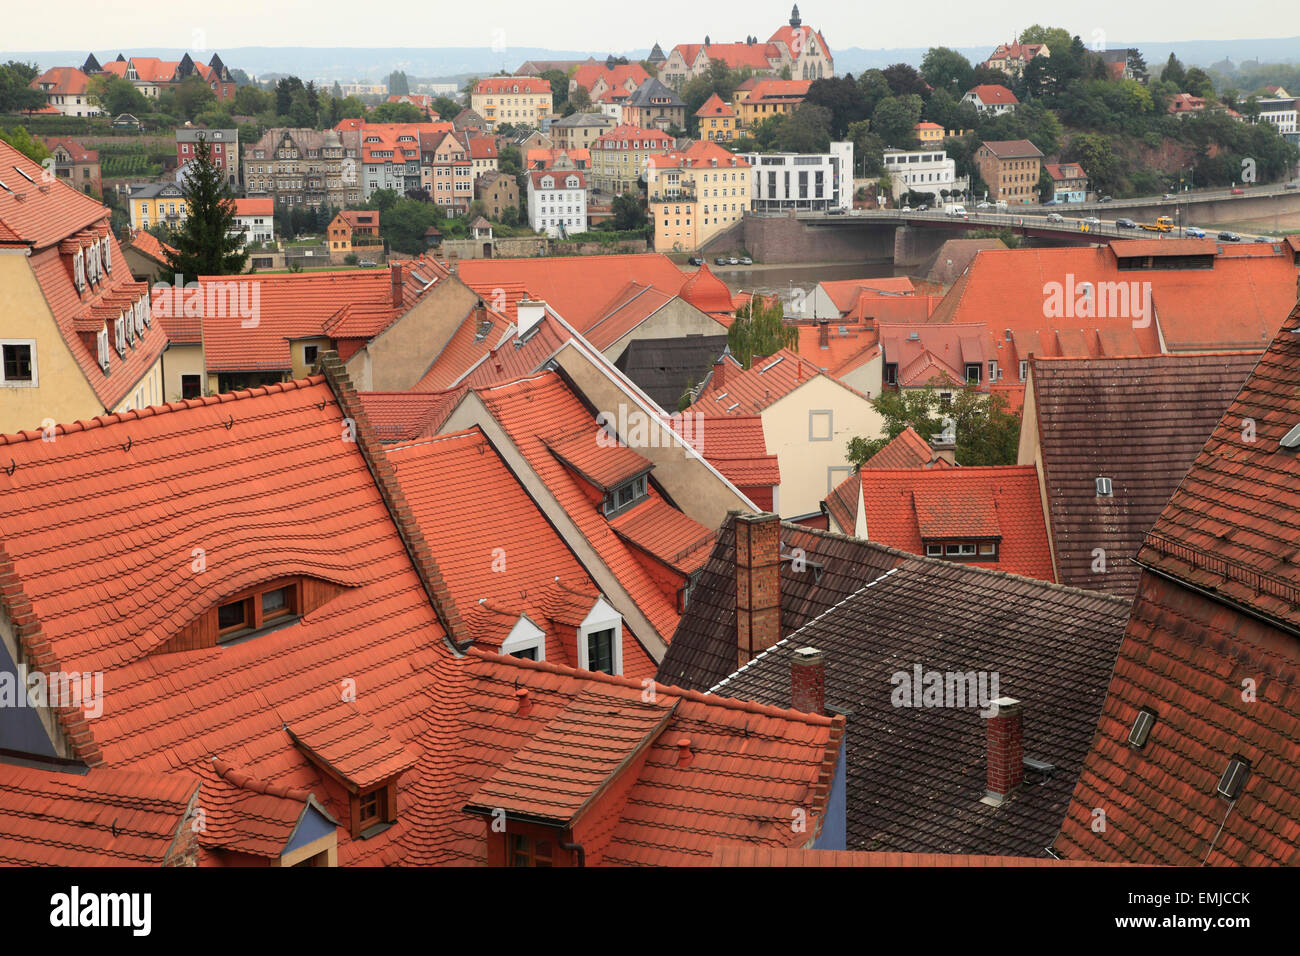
(559, 81)
(946, 69)
(397, 113)
(16, 96)
(760, 330)
(842, 96)
(300, 112)
(580, 100)
(398, 85)
(404, 223)
(207, 242)
(874, 88)
(25, 143)
(807, 129)
(1198, 83)
(628, 213)
(114, 95)
(284, 90)
(249, 101)
(188, 98)
(1056, 38)
(895, 118)
(446, 107)
(904, 80)
(1173, 73)
(987, 432)
(900, 407)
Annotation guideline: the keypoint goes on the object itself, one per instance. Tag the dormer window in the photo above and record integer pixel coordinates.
(625, 495)
(258, 608)
(119, 336)
(101, 348)
(972, 373)
(600, 640)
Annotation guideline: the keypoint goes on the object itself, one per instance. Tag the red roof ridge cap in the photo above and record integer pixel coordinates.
(246, 781)
(114, 418)
(671, 690)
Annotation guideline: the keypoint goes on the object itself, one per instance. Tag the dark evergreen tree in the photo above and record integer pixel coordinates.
(207, 243)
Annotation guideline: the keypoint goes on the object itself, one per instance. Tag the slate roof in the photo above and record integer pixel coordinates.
(916, 775)
(910, 507)
(703, 649)
(1140, 422)
(653, 93)
(663, 368)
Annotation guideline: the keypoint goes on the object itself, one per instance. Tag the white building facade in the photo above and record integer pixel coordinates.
(557, 202)
(812, 181)
(923, 171)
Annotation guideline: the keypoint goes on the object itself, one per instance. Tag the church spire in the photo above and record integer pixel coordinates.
(794, 17)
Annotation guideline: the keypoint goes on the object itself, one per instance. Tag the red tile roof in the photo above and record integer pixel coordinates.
(254, 207)
(990, 94)
(541, 409)
(447, 479)
(750, 391)
(587, 75)
(66, 80)
(106, 818)
(603, 297)
(910, 507)
(707, 292)
(782, 91)
(42, 216)
(647, 138)
(738, 56)
(906, 450)
(735, 445)
(557, 178)
(934, 354)
(701, 154)
(715, 106)
(845, 292)
(513, 84)
(406, 416)
(148, 244)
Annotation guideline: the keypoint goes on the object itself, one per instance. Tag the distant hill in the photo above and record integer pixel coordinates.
(373, 64)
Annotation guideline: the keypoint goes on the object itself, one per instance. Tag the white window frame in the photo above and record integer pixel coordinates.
(601, 617)
(35, 380)
(101, 348)
(525, 636)
(119, 335)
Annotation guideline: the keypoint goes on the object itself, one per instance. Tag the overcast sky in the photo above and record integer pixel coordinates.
(128, 24)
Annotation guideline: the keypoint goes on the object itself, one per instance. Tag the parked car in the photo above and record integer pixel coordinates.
(733, 261)
(695, 261)
(1104, 199)
(1229, 237)
(1055, 217)
(366, 263)
(1238, 191)
(720, 261)
(1052, 202)
(1125, 224)
(746, 261)
(1195, 232)
(907, 209)
(1292, 186)
(957, 210)
(985, 205)
(836, 211)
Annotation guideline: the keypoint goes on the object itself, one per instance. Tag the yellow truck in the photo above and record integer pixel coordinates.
(1162, 224)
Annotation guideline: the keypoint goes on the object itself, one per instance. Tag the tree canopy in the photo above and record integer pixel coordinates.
(207, 242)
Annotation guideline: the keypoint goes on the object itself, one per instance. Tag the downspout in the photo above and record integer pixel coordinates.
(576, 848)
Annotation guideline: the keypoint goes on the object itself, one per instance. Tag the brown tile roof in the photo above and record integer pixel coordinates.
(1139, 421)
(779, 856)
(703, 649)
(916, 775)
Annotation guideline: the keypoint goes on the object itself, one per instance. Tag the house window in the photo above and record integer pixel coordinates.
(526, 851)
(891, 373)
(372, 808)
(934, 551)
(1024, 370)
(972, 373)
(190, 386)
(959, 550)
(18, 363)
(625, 495)
(309, 354)
(277, 603)
(600, 650)
(233, 617)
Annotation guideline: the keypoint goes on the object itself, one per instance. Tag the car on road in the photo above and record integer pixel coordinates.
(957, 210)
(695, 261)
(1167, 196)
(1195, 232)
(1051, 202)
(366, 264)
(1264, 239)
(1125, 224)
(1238, 191)
(1092, 221)
(985, 205)
(1292, 186)
(1055, 217)
(907, 209)
(1229, 237)
(746, 261)
(835, 211)
(1104, 199)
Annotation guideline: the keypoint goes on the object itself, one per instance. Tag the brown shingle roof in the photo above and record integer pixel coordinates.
(1140, 422)
(916, 775)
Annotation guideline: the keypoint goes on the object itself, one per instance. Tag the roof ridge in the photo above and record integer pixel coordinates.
(648, 682)
(246, 781)
(151, 411)
(791, 635)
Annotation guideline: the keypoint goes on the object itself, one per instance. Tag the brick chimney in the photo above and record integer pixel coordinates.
(758, 584)
(719, 373)
(1006, 751)
(808, 681)
(823, 335)
(398, 285)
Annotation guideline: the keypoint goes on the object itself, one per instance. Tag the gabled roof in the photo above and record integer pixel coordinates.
(703, 650)
(750, 391)
(736, 446)
(715, 106)
(513, 84)
(42, 216)
(648, 138)
(1065, 171)
(108, 818)
(916, 775)
(844, 292)
(990, 94)
(653, 93)
(588, 74)
(406, 416)
(776, 91)
(541, 411)
(65, 80)
(1212, 649)
(928, 354)
(905, 450)
(150, 245)
(1084, 410)
(910, 507)
(447, 480)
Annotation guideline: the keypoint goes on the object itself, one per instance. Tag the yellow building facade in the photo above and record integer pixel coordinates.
(517, 100)
(619, 158)
(696, 193)
(157, 202)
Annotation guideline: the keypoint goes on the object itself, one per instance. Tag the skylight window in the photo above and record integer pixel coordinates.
(1291, 439)
(23, 173)
(1141, 730)
(1103, 488)
(1234, 778)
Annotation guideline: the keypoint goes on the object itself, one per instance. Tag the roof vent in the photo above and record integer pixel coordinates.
(523, 703)
(1234, 778)
(1141, 730)
(684, 755)
(914, 337)
(23, 173)
(1291, 439)
(1007, 333)
(1103, 488)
